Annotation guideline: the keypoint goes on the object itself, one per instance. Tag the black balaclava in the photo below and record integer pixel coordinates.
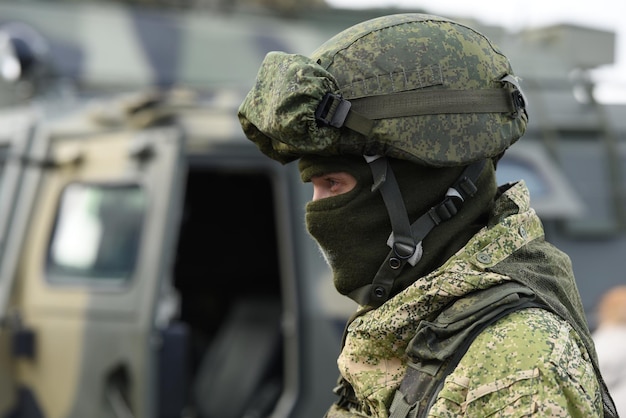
(352, 229)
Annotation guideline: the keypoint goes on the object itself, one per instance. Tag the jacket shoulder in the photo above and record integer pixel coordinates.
(532, 361)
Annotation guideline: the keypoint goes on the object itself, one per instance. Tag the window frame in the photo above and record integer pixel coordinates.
(78, 279)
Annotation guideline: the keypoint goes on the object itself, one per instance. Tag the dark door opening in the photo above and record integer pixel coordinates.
(227, 274)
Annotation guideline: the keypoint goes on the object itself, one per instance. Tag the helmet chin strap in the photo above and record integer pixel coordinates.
(405, 240)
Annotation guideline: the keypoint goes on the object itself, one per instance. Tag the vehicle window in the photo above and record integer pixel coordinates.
(513, 169)
(551, 194)
(588, 167)
(96, 233)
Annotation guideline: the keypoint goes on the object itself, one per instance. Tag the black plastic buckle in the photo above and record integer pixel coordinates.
(446, 209)
(518, 101)
(332, 110)
(466, 188)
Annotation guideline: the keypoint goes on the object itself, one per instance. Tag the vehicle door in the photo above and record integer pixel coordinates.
(17, 127)
(92, 271)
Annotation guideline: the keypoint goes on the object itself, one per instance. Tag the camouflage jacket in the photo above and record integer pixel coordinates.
(530, 363)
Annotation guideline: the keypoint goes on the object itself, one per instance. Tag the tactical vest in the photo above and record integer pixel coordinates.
(438, 346)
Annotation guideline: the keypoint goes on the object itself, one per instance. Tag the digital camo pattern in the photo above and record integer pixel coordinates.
(529, 363)
(278, 114)
(383, 56)
(373, 359)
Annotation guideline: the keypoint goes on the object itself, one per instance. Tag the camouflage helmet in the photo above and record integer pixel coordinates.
(411, 86)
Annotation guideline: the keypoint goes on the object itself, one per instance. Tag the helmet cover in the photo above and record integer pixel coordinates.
(384, 58)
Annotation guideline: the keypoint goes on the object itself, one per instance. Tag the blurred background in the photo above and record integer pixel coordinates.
(100, 64)
(517, 16)
(62, 55)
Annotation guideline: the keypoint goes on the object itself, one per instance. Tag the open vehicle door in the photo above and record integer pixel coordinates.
(91, 279)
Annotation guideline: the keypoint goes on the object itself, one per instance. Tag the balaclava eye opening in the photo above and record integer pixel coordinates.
(352, 229)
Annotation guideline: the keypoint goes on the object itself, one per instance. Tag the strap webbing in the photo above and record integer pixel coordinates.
(419, 388)
(385, 180)
(405, 245)
(359, 123)
(359, 114)
(433, 102)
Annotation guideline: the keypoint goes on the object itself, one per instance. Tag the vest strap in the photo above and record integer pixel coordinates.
(423, 380)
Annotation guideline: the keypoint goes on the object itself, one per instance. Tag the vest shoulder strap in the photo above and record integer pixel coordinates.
(424, 380)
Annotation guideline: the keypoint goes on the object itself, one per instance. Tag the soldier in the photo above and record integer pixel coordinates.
(464, 308)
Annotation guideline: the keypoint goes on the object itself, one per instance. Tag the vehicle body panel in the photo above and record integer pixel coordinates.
(89, 327)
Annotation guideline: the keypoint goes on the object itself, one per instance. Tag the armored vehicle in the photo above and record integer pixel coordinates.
(153, 263)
